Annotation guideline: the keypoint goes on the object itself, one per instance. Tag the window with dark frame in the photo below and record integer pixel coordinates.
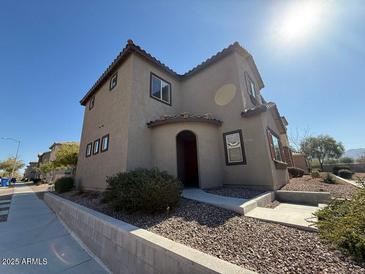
(113, 81)
(91, 102)
(234, 148)
(89, 147)
(105, 143)
(96, 146)
(275, 146)
(160, 89)
(251, 87)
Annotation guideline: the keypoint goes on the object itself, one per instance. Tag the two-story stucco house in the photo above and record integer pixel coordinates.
(209, 126)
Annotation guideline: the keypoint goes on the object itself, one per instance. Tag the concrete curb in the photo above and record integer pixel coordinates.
(342, 180)
(124, 248)
(302, 197)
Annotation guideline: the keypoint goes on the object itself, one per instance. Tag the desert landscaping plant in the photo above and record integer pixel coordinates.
(347, 160)
(145, 190)
(340, 167)
(295, 172)
(342, 223)
(64, 184)
(345, 173)
(329, 179)
(315, 174)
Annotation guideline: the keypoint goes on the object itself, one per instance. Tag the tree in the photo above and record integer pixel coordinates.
(321, 148)
(67, 155)
(7, 166)
(347, 160)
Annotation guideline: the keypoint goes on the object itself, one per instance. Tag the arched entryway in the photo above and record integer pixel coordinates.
(187, 158)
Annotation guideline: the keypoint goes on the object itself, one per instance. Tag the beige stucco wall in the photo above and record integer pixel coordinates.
(145, 109)
(110, 115)
(209, 153)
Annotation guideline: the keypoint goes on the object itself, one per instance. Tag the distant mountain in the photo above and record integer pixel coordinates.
(354, 153)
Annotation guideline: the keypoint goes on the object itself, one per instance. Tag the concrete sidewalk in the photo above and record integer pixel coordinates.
(230, 203)
(33, 231)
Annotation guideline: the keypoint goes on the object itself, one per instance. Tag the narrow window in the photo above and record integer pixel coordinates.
(234, 148)
(113, 81)
(89, 149)
(96, 146)
(160, 89)
(92, 102)
(105, 143)
(275, 146)
(251, 88)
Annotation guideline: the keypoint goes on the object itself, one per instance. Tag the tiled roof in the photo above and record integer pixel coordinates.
(131, 47)
(262, 108)
(184, 117)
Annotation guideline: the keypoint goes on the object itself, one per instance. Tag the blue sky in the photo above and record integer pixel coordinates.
(51, 52)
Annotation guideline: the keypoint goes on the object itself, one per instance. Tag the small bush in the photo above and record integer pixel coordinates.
(295, 172)
(347, 160)
(315, 174)
(345, 173)
(64, 184)
(329, 179)
(36, 181)
(337, 168)
(145, 190)
(342, 223)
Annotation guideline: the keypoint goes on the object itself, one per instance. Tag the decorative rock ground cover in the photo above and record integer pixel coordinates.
(307, 183)
(253, 244)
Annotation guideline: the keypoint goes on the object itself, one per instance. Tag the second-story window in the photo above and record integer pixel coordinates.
(160, 89)
(251, 87)
(113, 81)
(92, 102)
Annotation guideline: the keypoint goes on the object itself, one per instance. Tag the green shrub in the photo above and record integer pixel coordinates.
(295, 172)
(64, 184)
(329, 179)
(345, 173)
(146, 190)
(337, 168)
(341, 224)
(315, 174)
(347, 160)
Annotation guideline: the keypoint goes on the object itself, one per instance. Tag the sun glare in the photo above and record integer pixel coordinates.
(300, 20)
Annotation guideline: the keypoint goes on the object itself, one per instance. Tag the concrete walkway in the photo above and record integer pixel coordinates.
(32, 231)
(230, 203)
(299, 216)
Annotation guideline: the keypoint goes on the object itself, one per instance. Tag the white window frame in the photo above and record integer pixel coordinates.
(113, 84)
(89, 149)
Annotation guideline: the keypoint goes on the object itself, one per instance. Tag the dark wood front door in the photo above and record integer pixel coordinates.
(187, 160)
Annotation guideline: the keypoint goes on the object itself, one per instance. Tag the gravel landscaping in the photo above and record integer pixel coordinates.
(307, 183)
(235, 191)
(253, 244)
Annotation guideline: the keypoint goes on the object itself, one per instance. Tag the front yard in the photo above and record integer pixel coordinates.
(250, 243)
(307, 183)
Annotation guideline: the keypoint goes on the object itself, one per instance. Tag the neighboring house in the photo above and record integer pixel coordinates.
(50, 156)
(300, 161)
(209, 126)
(43, 159)
(30, 171)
